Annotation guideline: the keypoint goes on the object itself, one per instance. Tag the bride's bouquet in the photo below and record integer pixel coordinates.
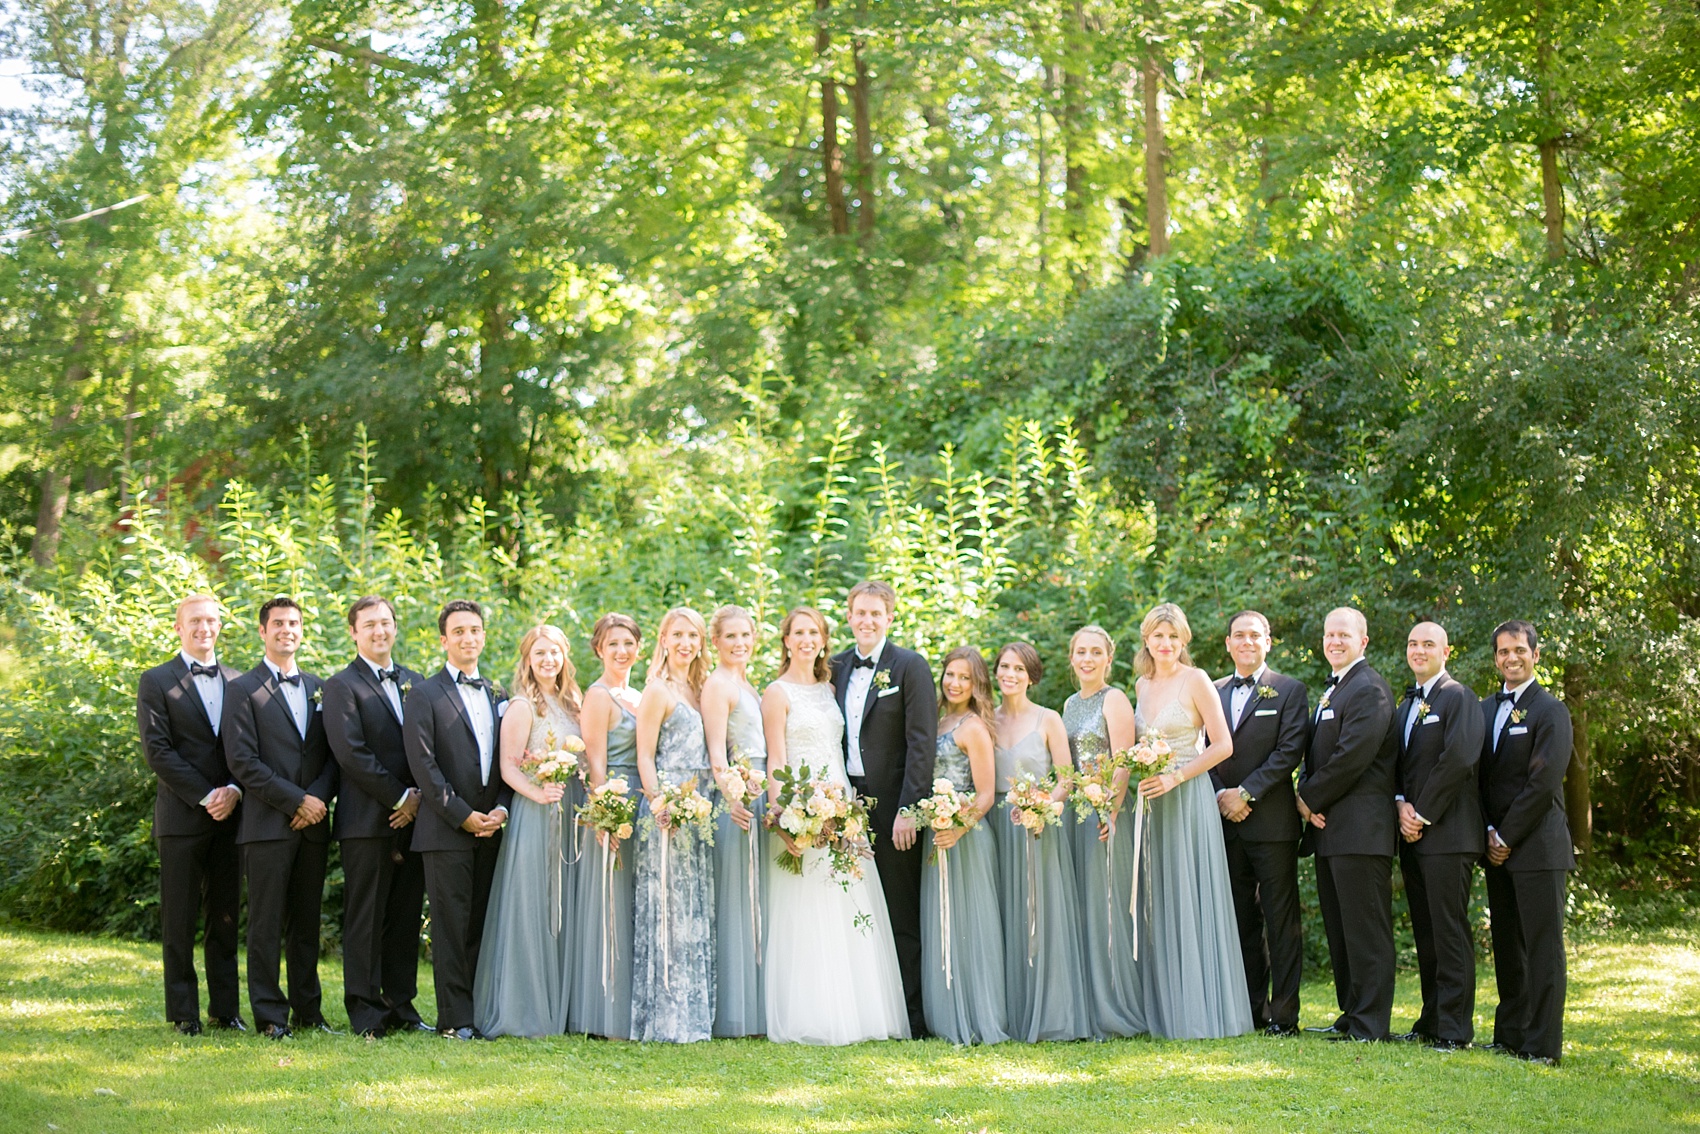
(820, 814)
(556, 764)
(681, 806)
(1030, 803)
(945, 809)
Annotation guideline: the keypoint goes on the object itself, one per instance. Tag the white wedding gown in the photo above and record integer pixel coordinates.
(828, 979)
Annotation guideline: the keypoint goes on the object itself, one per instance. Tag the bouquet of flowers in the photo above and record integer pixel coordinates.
(944, 809)
(685, 808)
(1146, 759)
(818, 813)
(741, 782)
(556, 764)
(610, 809)
(1031, 805)
(1095, 791)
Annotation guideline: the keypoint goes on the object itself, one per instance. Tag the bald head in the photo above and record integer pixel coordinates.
(1426, 649)
(1345, 636)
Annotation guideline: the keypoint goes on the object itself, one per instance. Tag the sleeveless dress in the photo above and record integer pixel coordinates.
(828, 979)
(967, 1005)
(1044, 973)
(521, 986)
(600, 1003)
(740, 889)
(1106, 928)
(1190, 969)
(673, 916)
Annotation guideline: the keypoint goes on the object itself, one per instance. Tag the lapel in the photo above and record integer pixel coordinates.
(273, 689)
(459, 707)
(377, 687)
(881, 666)
(1524, 703)
(1250, 701)
(191, 694)
(1226, 692)
(841, 678)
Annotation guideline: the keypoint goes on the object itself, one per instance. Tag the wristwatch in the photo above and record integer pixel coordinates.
(1246, 795)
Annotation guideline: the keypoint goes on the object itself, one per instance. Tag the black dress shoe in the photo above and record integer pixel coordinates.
(1501, 1049)
(407, 1024)
(1280, 1029)
(1347, 1037)
(318, 1025)
(187, 1027)
(1413, 1036)
(371, 1034)
(461, 1033)
(1543, 1060)
(229, 1023)
(1438, 1044)
(276, 1031)
(1330, 1030)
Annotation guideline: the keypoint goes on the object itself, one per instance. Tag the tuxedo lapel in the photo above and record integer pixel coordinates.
(459, 708)
(186, 683)
(273, 689)
(841, 681)
(359, 665)
(883, 666)
(1226, 692)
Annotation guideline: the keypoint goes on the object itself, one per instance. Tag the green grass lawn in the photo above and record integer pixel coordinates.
(84, 1047)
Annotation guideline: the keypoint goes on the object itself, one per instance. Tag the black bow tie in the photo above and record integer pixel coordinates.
(1412, 692)
(196, 669)
(391, 674)
(860, 662)
(1243, 682)
(475, 682)
(1503, 697)
(1333, 680)
(291, 679)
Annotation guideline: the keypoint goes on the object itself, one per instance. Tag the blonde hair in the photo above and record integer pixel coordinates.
(979, 685)
(823, 670)
(1143, 663)
(186, 600)
(565, 691)
(698, 671)
(1109, 648)
(728, 613)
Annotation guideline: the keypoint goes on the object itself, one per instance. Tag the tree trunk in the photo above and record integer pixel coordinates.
(1044, 184)
(1552, 192)
(1075, 77)
(55, 489)
(863, 118)
(831, 157)
(1578, 796)
(1156, 178)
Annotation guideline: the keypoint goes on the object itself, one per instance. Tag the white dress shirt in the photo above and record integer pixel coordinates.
(392, 694)
(1240, 694)
(1328, 694)
(294, 695)
(856, 689)
(1505, 708)
(1412, 717)
(211, 690)
(480, 717)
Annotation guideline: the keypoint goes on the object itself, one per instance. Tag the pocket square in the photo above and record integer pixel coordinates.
(1517, 730)
(1264, 712)
(1327, 715)
(888, 692)
(501, 708)
(1432, 718)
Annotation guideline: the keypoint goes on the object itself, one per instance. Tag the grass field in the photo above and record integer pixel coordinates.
(83, 1047)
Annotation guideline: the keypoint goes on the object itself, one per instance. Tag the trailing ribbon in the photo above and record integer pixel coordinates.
(610, 939)
(944, 909)
(666, 922)
(552, 854)
(1138, 847)
(755, 891)
(1110, 885)
(1032, 902)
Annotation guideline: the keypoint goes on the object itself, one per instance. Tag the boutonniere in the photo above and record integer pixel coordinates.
(1517, 715)
(882, 679)
(405, 688)
(317, 697)
(1422, 709)
(1266, 693)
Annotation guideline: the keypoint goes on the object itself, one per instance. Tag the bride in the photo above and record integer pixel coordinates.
(831, 968)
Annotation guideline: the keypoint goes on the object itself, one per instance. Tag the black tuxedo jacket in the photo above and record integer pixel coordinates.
(1269, 744)
(276, 766)
(1437, 768)
(1522, 784)
(366, 738)
(900, 725)
(1348, 772)
(442, 753)
(180, 746)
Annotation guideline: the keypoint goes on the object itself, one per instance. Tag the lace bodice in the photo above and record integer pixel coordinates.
(552, 725)
(950, 762)
(681, 749)
(1088, 734)
(744, 737)
(814, 730)
(1174, 724)
(1027, 756)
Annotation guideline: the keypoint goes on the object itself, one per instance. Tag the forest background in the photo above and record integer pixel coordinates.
(1043, 311)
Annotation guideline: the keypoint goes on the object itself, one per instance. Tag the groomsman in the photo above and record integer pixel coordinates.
(890, 739)
(274, 742)
(384, 877)
(1269, 714)
(1524, 757)
(1439, 724)
(195, 815)
(449, 727)
(1346, 795)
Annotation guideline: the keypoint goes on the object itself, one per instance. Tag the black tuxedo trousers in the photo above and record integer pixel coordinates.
(1355, 892)
(286, 878)
(1265, 881)
(459, 883)
(383, 905)
(200, 873)
(1437, 888)
(1528, 957)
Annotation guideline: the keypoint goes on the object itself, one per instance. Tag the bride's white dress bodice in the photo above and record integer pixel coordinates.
(814, 730)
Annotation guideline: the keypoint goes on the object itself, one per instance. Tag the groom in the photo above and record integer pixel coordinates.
(890, 732)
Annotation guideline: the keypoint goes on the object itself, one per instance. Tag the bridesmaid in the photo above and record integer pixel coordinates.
(673, 918)
(1044, 975)
(521, 987)
(600, 1002)
(1099, 720)
(968, 1005)
(731, 715)
(1190, 969)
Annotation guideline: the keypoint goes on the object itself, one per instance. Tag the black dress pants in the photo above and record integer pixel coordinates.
(200, 873)
(383, 903)
(1265, 880)
(1527, 908)
(459, 884)
(286, 885)
(1355, 892)
(1437, 888)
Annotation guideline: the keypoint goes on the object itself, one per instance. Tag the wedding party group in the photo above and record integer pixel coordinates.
(863, 850)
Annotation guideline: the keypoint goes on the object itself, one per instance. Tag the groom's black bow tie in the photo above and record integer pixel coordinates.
(1412, 692)
(1239, 682)
(391, 674)
(1503, 697)
(196, 669)
(290, 679)
(475, 682)
(860, 662)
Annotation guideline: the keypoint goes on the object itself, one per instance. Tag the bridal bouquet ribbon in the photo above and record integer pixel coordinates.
(741, 782)
(818, 813)
(556, 764)
(946, 809)
(677, 807)
(1146, 759)
(1032, 809)
(610, 810)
